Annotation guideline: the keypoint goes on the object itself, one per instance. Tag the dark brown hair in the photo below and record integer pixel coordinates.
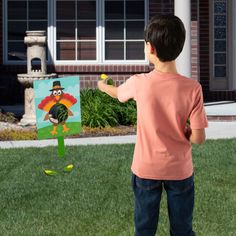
(166, 33)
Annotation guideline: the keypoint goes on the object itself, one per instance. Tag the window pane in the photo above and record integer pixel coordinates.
(220, 20)
(16, 30)
(220, 58)
(17, 10)
(38, 25)
(86, 9)
(135, 51)
(65, 10)
(38, 10)
(114, 30)
(16, 51)
(220, 71)
(66, 30)
(66, 51)
(87, 30)
(114, 51)
(114, 10)
(220, 33)
(220, 46)
(134, 30)
(135, 9)
(220, 7)
(86, 51)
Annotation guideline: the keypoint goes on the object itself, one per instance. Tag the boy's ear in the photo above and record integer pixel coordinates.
(151, 48)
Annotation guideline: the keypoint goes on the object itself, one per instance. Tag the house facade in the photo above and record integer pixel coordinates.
(87, 38)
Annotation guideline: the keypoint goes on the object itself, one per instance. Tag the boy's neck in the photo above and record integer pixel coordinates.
(165, 67)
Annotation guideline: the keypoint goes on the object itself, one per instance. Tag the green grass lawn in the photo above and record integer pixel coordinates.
(96, 198)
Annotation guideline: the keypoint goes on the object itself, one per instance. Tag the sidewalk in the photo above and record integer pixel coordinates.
(217, 129)
(225, 108)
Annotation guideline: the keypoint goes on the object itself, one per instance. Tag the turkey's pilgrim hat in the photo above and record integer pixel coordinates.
(56, 85)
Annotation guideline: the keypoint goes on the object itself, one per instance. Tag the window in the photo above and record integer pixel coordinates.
(79, 31)
(220, 31)
(76, 30)
(22, 16)
(124, 25)
(219, 44)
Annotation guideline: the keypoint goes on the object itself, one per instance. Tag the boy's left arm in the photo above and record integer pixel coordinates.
(108, 89)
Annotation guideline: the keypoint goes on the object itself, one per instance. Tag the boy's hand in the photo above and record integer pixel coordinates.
(111, 90)
(107, 80)
(101, 84)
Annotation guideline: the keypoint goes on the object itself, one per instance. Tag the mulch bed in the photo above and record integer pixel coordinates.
(107, 131)
(16, 132)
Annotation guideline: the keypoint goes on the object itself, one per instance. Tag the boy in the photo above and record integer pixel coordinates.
(163, 155)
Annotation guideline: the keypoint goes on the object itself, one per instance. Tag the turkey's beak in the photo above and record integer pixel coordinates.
(57, 97)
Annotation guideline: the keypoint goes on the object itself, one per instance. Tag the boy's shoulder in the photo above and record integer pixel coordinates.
(189, 80)
(178, 78)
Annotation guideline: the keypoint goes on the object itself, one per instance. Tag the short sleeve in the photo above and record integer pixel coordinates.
(127, 90)
(198, 118)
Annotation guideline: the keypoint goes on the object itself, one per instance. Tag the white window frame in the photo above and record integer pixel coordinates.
(100, 39)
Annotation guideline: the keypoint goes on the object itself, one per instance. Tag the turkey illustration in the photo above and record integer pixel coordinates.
(57, 107)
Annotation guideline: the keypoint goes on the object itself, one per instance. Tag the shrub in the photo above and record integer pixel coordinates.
(100, 110)
(96, 111)
(126, 112)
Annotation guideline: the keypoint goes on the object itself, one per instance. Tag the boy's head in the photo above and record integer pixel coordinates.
(166, 34)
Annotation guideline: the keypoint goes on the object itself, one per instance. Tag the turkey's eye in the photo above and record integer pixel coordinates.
(59, 92)
(54, 93)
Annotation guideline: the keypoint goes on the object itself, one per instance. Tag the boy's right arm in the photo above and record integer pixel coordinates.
(197, 136)
(108, 89)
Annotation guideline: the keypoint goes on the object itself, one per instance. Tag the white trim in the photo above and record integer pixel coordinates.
(53, 42)
(125, 25)
(102, 33)
(183, 62)
(76, 30)
(99, 28)
(4, 35)
(50, 30)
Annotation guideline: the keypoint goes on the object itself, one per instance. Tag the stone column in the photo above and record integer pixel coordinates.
(29, 118)
(183, 11)
(36, 43)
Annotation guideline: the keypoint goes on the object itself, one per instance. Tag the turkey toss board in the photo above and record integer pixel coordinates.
(57, 105)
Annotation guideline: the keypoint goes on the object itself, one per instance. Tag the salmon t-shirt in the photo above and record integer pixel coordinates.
(164, 103)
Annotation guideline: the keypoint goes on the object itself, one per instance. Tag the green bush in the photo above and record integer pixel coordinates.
(126, 112)
(100, 110)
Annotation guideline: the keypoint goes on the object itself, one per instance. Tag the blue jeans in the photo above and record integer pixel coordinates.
(180, 201)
